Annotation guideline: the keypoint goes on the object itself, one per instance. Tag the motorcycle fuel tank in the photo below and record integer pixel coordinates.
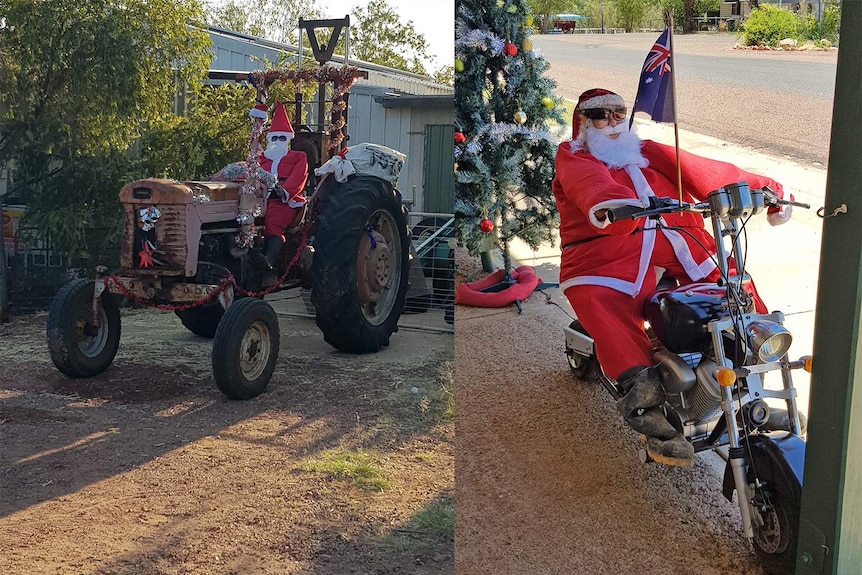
(679, 316)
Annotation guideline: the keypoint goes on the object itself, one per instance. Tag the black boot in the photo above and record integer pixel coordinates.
(640, 408)
(271, 247)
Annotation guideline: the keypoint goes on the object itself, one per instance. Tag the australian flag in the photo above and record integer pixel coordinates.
(655, 88)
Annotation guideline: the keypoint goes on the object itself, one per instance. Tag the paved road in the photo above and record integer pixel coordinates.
(775, 102)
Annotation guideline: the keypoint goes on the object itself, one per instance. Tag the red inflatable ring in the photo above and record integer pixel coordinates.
(525, 281)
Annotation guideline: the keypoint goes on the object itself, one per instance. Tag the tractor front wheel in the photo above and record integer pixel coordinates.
(245, 348)
(81, 343)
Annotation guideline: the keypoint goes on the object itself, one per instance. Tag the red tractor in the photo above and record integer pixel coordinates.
(187, 248)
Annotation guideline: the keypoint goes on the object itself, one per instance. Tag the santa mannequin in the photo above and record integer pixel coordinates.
(607, 269)
(290, 167)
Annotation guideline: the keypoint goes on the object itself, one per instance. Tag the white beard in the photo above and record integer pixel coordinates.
(275, 151)
(618, 153)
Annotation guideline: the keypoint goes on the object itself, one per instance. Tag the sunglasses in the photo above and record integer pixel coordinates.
(278, 138)
(618, 114)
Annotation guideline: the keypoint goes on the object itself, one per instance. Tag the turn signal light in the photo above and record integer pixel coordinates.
(725, 376)
(806, 362)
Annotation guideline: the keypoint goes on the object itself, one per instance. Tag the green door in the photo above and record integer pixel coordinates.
(438, 179)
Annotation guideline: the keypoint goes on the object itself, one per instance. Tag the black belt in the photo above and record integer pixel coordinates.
(585, 240)
(579, 242)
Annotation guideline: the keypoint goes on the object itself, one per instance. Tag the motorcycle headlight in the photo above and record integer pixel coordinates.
(768, 340)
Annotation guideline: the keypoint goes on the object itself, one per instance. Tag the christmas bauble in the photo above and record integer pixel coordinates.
(510, 49)
(528, 21)
(520, 117)
(548, 103)
(486, 225)
(460, 138)
(459, 65)
(527, 45)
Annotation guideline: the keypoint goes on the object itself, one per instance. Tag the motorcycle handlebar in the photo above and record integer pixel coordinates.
(659, 206)
(770, 198)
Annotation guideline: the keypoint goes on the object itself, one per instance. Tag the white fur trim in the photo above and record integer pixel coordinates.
(642, 187)
(255, 113)
(610, 204)
(781, 216)
(614, 283)
(603, 101)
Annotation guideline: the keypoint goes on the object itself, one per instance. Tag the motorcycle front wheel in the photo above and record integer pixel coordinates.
(775, 540)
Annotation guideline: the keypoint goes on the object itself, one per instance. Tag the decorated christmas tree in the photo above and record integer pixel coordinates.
(505, 118)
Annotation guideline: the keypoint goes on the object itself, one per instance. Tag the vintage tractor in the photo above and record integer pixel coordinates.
(188, 247)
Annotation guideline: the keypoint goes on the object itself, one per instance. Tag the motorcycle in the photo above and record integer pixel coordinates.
(712, 351)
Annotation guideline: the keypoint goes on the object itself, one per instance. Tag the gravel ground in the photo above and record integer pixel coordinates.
(548, 479)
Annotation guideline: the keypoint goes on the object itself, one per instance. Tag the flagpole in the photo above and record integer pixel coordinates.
(669, 24)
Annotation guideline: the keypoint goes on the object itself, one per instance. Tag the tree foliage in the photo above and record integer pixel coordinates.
(684, 11)
(377, 33)
(381, 37)
(213, 134)
(277, 20)
(630, 13)
(825, 29)
(79, 77)
(768, 24)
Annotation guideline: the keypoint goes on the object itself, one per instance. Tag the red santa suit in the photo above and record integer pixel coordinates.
(290, 167)
(607, 269)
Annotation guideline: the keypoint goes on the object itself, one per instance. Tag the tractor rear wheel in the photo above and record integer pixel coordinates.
(360, 266)
(202, 320)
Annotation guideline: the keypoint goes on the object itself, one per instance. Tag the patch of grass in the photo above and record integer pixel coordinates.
(432, 526)
(426, 456)
(447, 389)
(416, 404)
(356, 467)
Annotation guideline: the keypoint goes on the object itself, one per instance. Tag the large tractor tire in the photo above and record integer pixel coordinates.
(360, 267)
(77, 346)
(245, 348)
(202, 320)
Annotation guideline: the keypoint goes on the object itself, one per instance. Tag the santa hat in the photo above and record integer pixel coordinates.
(259, 111)
(594, 98)
(280, 123)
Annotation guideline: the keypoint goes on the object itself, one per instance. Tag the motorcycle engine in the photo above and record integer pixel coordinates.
(689, 380)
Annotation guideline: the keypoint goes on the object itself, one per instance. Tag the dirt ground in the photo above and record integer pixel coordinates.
(148, 469)
(549, 480)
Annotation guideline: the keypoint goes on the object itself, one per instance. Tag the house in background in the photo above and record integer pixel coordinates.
(407, 112)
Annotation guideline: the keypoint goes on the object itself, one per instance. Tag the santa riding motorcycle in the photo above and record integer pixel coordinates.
(609, 267)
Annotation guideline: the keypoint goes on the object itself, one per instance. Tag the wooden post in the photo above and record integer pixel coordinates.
(830, 530)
